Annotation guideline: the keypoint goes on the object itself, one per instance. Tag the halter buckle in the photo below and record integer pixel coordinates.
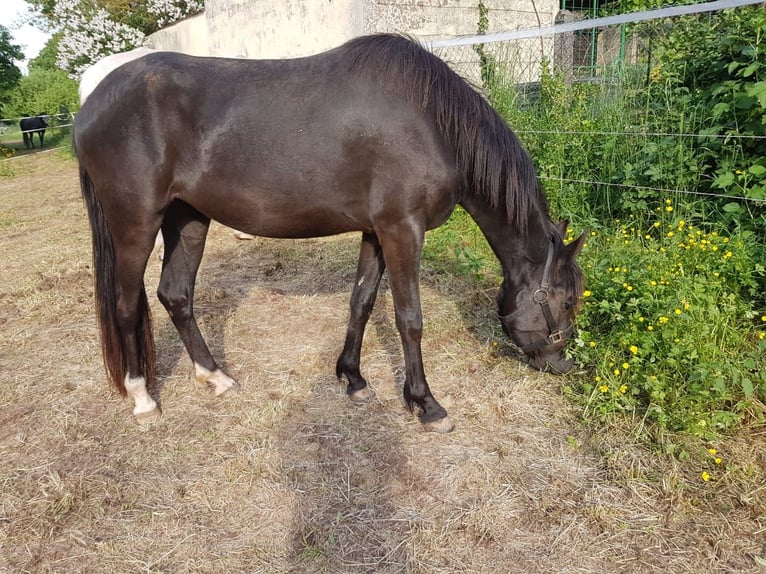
(556, 337)
(540, 296)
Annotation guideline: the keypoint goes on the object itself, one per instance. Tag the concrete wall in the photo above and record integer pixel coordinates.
(189, 36)
(286, 28)
(289, 28)
(438, 19)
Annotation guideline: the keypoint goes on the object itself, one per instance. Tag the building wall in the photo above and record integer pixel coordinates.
(289, 28)
(189, 36)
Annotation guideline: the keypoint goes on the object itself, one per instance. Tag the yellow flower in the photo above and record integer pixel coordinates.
(763, 318)
(670, 234)
(586, 293)
(626, 366)
(623, 389)
(761, 336)
(663, 319)
(617, 372)
(712, 451)
(677, 311)
(718, 460)
(650, 328)
(634, 349)
(603, 388)
(668, 202)
(656, 223)
(705, 476)
(669, 208)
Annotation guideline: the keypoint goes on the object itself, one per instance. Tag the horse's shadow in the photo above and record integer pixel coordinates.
(228, 276)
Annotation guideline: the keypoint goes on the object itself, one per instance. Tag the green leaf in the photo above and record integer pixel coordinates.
(747, 387)
(724, 180)
(758, 91)
(751, 69)
(757, 170)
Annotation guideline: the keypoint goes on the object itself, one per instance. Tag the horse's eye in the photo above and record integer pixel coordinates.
(567, 306)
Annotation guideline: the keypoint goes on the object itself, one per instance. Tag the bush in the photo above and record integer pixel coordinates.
(668, 328)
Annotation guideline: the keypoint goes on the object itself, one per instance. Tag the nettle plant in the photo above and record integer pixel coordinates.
(667, 330)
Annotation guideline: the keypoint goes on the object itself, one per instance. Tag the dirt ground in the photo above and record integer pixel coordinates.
(286, 474)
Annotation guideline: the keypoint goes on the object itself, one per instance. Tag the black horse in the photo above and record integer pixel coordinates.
(31, 126)
(377, 136)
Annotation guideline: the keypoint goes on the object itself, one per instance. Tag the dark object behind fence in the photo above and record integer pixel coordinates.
(31, 126)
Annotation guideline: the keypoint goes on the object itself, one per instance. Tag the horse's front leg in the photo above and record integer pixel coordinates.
(184, 230)
(368, 274)
(402, 247)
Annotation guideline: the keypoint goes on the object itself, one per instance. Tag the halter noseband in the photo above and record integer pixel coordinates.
(540, 296)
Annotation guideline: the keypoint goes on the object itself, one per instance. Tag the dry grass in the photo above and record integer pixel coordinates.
(287, 475)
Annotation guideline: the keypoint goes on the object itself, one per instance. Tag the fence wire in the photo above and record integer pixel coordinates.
(617, 61)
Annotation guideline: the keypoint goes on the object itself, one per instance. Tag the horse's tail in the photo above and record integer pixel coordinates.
(106, 298)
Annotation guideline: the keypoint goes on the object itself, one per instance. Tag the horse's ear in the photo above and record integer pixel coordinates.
(561, 227)
(573, 248)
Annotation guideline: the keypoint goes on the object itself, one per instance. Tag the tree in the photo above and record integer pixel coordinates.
(9, 72)
(93, 29)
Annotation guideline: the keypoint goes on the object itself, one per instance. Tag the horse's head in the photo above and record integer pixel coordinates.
(537, 304)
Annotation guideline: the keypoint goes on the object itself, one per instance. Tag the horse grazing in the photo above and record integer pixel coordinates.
(377, 136)
(31, 126)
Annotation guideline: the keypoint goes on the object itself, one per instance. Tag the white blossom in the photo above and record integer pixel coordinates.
(89, 33)
(170, 11)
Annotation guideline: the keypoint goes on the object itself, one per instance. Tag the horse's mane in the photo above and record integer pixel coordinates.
(488, 153)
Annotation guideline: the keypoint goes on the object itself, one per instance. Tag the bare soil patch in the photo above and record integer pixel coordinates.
(286, 474)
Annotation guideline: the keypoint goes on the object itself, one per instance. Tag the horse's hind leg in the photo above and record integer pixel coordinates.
(368, 274)
(184, 230)
(134, 323)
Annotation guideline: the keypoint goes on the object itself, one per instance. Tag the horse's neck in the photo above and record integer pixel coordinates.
(510, 246)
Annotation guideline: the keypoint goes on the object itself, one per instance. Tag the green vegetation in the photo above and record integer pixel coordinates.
(671, 333)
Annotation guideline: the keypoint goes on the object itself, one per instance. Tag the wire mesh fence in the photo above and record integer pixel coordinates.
(589, 102)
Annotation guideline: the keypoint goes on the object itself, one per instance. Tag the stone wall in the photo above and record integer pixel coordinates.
(289, 28)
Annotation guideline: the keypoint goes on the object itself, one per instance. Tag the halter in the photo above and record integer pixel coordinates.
(540, 296)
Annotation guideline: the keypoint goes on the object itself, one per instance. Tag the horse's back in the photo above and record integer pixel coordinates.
(296, 147)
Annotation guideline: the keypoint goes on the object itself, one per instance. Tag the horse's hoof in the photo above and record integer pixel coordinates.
(441, 426)
(148, 417)
(243, 236)
(224, 386)
(362, 395)
(220, 380)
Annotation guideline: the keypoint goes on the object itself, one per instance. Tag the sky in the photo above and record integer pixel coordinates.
(31, 40)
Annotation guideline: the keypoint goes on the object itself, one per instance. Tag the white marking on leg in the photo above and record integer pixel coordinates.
(136, 388)
(360, 281)
(221, 381)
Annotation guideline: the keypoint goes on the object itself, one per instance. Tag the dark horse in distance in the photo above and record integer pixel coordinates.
(31, 126)
(377, 136)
